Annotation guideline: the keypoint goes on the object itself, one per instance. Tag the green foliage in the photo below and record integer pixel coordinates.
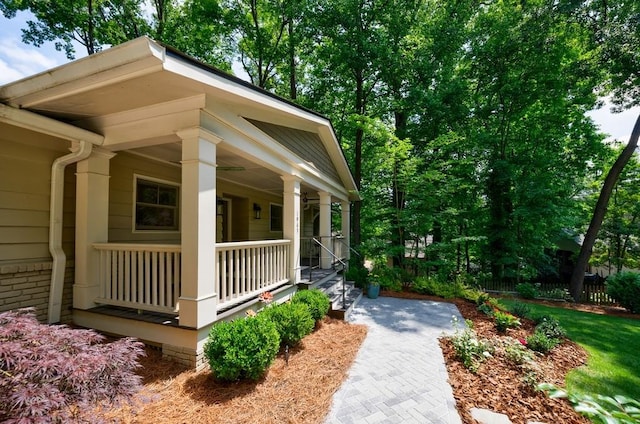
(520, 309)
(551, 328)
(598, 408)
(293, 321)
(242, 349)
(471, 350)
(625, 288)
(445, 289)
(609, 371)
(486, 309)
(504, 320)
(540, 342)
(358, 274)
(527, 290)
(316, 301)
(516, 352)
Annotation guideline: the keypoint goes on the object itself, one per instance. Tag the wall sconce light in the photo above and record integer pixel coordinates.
(257, 211)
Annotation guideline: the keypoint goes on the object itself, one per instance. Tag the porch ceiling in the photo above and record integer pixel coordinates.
(231, 167)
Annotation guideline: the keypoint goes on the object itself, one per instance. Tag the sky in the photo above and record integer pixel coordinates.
(19, 60)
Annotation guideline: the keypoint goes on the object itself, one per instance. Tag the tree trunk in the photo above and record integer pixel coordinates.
(577, 278)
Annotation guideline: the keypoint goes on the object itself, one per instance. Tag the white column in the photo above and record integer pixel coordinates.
(92, 224)
(346, 228)
(325, 229)
(291, 223)
(198, 295)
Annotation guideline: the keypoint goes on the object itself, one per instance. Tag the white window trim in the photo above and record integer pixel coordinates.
(281, 218)
(136, 177)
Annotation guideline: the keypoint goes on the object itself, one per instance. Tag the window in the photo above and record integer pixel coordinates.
(156, 205)
(275, 215)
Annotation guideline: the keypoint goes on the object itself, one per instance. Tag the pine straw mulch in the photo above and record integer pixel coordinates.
(499, 385)
(298, 392)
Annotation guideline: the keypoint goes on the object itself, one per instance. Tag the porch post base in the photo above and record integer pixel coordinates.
(192, 358)
(84, 295)
(198, 313)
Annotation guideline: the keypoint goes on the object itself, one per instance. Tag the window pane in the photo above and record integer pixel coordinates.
(276, 217)
(154, 217)
(168, 196)
(147, 192)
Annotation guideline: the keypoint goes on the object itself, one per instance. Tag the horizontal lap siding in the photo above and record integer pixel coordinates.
(122, 169)
(25, 184)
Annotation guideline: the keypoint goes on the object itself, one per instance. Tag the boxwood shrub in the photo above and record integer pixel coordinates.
(242, 349)
(317, 302)
(292, 320)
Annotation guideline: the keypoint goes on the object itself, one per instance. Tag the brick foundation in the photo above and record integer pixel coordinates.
(27, 285)
(184, 356)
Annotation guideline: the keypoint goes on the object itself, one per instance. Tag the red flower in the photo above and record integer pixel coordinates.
(523, 342)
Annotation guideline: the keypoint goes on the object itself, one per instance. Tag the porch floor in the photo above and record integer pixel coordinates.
(146, 316)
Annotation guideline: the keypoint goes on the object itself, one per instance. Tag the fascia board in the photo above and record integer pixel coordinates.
(42, 124)
(123, 62)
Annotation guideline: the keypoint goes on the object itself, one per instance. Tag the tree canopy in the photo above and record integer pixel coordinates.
(465, 124)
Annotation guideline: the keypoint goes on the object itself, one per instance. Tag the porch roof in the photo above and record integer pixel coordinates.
(112, 92)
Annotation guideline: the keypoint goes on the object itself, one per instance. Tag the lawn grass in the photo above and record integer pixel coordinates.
(613, 344)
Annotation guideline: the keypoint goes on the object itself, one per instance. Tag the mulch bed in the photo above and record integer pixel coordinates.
(298, 392)
(498, 385)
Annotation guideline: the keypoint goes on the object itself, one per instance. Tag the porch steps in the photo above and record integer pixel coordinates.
(333, 288)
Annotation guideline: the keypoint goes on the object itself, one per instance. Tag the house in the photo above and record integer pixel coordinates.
(145, 194)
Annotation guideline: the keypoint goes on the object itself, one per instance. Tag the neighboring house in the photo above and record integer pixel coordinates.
(145, 194)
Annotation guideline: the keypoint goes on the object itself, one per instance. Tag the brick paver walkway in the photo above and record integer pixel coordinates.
(399, 375)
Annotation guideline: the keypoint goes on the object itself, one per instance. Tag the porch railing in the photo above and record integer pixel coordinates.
(147, 276)
(248, 268)
(141, 276)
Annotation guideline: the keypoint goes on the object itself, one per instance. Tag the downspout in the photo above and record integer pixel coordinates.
(81, 152)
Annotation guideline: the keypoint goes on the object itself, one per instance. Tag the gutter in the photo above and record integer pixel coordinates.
(84, 141)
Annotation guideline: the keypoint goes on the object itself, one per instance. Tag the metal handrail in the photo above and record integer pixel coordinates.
(344, 267)
(349, 247)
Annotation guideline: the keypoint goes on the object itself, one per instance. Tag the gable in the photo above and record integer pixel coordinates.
(305, 144)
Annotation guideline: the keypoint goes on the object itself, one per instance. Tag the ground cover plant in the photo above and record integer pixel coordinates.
(613, 344)
(52, 373)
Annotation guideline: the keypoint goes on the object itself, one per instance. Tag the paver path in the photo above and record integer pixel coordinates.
(399, 375)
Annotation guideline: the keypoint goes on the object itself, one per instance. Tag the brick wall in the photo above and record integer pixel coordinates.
(27, 285)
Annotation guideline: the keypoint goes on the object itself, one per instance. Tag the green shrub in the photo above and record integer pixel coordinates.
(471, 350)
(625, 288)
(527, 290)
(540, 342)
(317, 302)
(486, 309)
(293, 321)
(425, 285)
(538, 318)
(358, 274)
(520, 309)
(551, 328)
(483, 298)
(243, 348)
(504, 320)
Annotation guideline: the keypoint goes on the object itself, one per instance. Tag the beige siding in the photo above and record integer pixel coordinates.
(25, 184)
(258, 228)
(123, 167)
